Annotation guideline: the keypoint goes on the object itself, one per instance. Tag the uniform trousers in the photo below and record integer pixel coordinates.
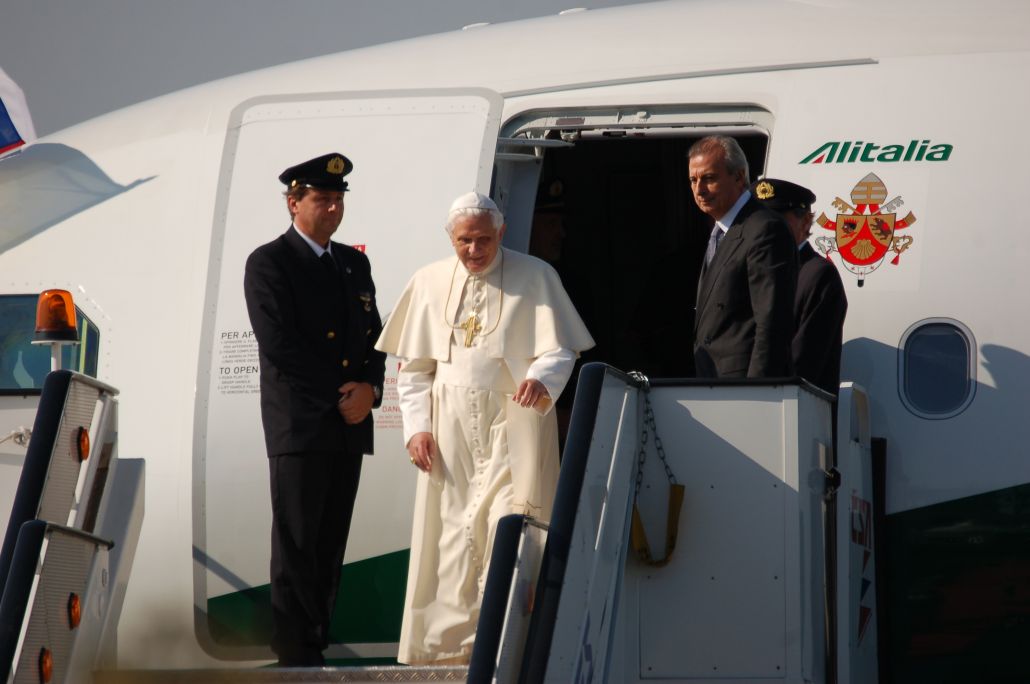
(312, 502)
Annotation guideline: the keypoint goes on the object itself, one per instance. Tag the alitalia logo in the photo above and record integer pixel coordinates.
(852, 152)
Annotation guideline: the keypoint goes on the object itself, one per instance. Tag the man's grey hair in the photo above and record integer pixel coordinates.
(496, 217)
(734, 156)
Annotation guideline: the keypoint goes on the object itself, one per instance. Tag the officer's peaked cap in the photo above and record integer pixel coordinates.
(781, 195)
(325, 173)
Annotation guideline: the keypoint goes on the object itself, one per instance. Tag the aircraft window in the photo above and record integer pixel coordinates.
(23, 365)
(937, 368)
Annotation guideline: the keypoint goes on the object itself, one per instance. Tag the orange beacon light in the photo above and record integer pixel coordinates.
(55, 323)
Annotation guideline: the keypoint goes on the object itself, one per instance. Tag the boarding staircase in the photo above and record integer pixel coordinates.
(748, 581)
(71, 538)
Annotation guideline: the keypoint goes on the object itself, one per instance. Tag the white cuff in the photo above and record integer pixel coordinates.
(414, 392)
(552, 369)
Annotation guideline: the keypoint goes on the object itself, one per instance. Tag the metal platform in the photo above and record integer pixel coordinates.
(385, 673)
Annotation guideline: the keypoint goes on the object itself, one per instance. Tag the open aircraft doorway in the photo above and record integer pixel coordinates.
(603, 196)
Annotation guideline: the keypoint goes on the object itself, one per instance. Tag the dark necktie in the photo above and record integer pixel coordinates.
(338, 285)
(713, 244)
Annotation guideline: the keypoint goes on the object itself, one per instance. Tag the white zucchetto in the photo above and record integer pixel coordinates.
(473, 200)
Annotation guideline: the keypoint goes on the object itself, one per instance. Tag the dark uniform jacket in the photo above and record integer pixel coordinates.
(745, 299)
(819, 310)
(315, 329)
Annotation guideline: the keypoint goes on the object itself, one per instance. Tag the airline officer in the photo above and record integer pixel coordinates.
(744, 322)
(820, 303)
(312, 306)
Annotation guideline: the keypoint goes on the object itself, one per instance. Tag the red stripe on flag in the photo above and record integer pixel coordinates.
(12, 146)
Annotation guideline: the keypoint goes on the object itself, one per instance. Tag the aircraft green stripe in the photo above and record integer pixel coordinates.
(368, 607)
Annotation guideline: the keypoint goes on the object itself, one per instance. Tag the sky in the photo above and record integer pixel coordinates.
(77, 59)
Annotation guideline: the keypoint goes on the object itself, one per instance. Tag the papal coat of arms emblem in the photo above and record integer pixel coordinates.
(866, 230)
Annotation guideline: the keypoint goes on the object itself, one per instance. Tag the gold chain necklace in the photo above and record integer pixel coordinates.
(471, 326)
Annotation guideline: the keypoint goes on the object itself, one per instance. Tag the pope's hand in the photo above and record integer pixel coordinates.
(532, 393)
(356, 399)
(422, 450)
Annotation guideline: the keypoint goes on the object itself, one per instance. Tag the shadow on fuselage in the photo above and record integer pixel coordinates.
(45, 184)
(955, 573)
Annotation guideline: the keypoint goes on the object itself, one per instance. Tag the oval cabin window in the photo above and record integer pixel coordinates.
(937, 368)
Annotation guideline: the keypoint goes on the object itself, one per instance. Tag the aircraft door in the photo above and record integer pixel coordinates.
(413, 153)
(519, 162)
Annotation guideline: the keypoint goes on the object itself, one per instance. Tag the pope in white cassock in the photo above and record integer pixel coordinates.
(487, 340)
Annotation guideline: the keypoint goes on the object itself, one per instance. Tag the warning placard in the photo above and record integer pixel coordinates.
(236, 369)
(388, 415)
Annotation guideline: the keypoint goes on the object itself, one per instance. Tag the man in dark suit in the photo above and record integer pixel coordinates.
(820, 303)
(312, 306)
(745, 296)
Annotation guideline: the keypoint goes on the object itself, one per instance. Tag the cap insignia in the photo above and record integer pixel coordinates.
(335, 165)
(764, 190)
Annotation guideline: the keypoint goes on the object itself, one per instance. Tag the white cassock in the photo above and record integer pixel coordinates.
(494, 457)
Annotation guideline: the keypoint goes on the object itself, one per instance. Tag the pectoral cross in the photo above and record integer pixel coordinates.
(471, 327)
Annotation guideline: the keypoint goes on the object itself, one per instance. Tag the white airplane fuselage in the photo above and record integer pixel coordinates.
(899, 114)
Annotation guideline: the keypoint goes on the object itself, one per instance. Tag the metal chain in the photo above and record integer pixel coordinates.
(649, 426)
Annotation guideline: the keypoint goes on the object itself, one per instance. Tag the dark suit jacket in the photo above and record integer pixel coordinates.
(315, 330)
(745, 300)
(819, 310)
